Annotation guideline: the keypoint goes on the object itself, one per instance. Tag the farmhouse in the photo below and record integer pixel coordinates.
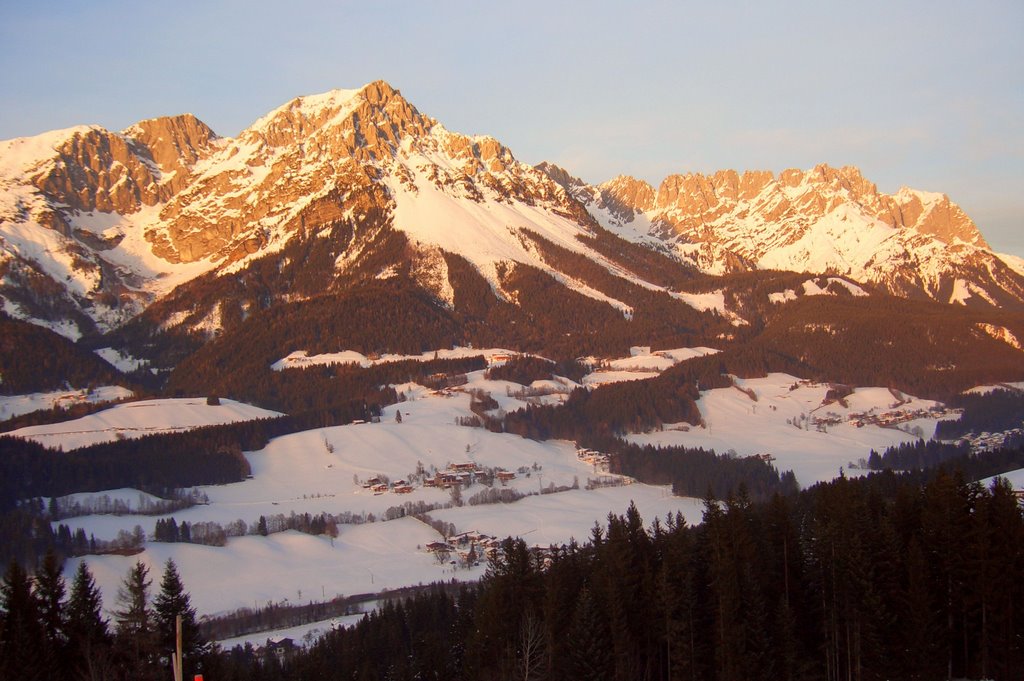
(436, 546)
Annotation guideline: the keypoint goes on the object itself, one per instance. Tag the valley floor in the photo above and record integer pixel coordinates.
(380, 546)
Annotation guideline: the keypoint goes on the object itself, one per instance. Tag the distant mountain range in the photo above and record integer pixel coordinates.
(167, 231)
(824, 220)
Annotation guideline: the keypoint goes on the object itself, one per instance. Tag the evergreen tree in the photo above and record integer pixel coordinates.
(136, 639)
(22, 636)
(590, 643)
(945, 521)
(684, 633)
(921, 628)
(998, 557)
(89, 649)
(171, 602)
(49, 593)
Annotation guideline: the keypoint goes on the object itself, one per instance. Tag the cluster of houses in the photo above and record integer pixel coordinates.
(984, 442)
(499, 359)
(379, 486)
(888, 419)
(896, 417)
(461, 474)
(457, 474)
(464, 474)
(468, 548)
(594, 458)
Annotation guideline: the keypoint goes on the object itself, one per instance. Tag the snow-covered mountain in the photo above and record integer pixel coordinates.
(97, 225)
(824, 220)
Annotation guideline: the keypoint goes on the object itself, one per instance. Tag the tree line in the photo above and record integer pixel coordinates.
(49, 633)
(698, 473)
(992, 412)
(892, 576)
(931, 454)
(35, 359)
(885, 577)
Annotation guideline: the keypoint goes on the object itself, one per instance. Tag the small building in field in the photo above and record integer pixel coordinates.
(436, 546)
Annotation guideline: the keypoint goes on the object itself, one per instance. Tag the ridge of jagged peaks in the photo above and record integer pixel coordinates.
(89, 168)
(691, 201)
(282, 171)
(560, 176)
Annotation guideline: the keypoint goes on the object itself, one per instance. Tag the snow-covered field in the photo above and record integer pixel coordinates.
(556, 518)
(136, 419)
(324, 471)
(301, 359)
(16, 405)
(789, 421)
(641, 364)
(301, 635)
(287, 567)
(1016, 479)
(985, 389)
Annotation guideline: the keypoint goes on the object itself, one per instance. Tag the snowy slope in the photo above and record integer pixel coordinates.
(301, 359)
(16, 405)
(791, 422)
(137, 419)
(641, 364)
(324, 471)
(299, 473)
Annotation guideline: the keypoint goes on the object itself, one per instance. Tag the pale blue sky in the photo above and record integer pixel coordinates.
(926, 94)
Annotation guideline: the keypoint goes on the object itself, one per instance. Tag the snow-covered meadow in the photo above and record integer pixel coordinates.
(137, 419)
(16, 405)
(323, 471)
(789, 419)
(326, 470)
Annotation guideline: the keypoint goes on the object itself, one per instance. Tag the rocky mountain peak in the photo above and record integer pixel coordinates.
(825, 219)
(367, 123)
(174, 143)
(560, 176)
(936, 215)
(625, 195)
(847, 178)
(694, 202)
(96, 170)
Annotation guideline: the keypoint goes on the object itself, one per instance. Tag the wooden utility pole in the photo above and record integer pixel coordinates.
(176, 657)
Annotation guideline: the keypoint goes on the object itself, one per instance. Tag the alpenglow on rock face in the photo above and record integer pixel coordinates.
(825, 219)
(701, 204)
(96, 225)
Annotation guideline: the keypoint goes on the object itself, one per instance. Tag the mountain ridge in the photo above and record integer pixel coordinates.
(99, 225)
